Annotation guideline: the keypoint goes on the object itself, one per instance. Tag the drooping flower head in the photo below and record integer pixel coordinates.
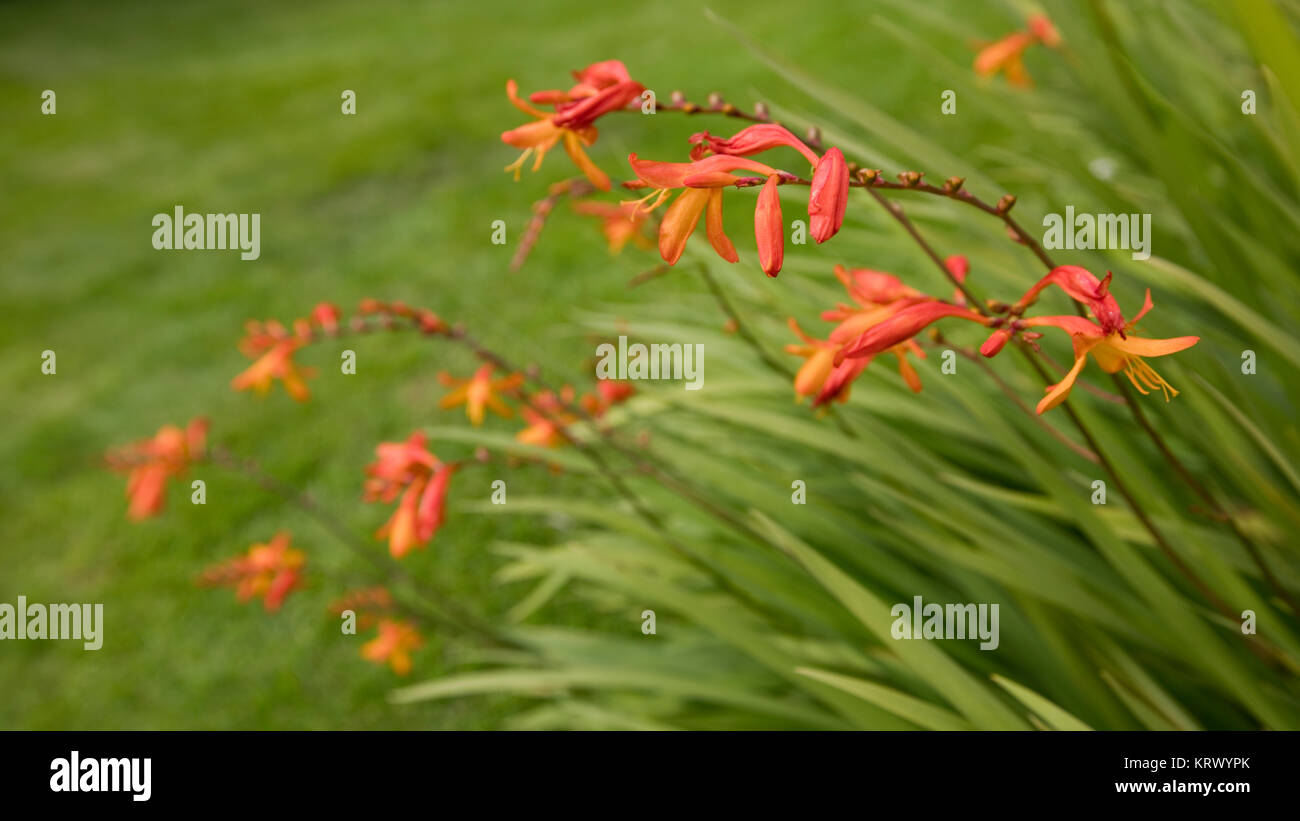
(272, 571)
(712, 167)
(601, 88)
(828, 372)
(409, 469)
(149, 463)
(1109, 338)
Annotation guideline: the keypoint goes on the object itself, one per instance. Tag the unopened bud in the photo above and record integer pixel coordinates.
(1006, 203)
(761, 111)
(953, 184)
(910, 178)
(715, 100)
(815, 135)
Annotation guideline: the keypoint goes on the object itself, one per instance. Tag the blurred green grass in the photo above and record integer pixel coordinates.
(234, 107)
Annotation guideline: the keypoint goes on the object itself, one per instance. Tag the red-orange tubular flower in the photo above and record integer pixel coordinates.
(1110, 339)
(367, 604)
(409, 469)
(907, 323)
(272, 571)
(479, 392)
(702, 182)
(272, 347)
(827, 373)
(393, 645)
(609, 392)
(1007, 54)
(829, 196)
(547, 417)
(149, 463)
(829, 192)
(601, 88)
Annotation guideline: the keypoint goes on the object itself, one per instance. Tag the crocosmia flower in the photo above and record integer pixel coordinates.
(1109, 339)
(407, 469)
(701, 182)
(149, 463)
(271, 571)
(393, 645)
(601, 88)
(1007, 54)
(275, 363)
(547, 416)
(620, 222)
(479, 393)
(829, 195)
(828, 372)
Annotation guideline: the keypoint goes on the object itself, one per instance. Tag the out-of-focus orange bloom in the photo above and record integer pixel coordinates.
(409, 469)
(327, 315)
(621, 222)
(149, 463)
(601, 88)
(276, 363)
(754, 139)
(479, 392)
(271, 570)
(609, 392)
(393, 645)
(1007, 54)
(547, 417)
(1110, 339)
(368, 605)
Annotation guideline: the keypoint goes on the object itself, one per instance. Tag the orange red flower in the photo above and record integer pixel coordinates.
(272, 348)
(547, 416)
(712, 167)
(393, 645)
(601, 88)
(828, 371)
(620, 222)
(149, 463)
(479, 392)
(1109, 338)
(1007, 54)
(409, 469)
(272, 570)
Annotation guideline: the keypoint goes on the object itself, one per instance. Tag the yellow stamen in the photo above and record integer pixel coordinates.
(659, 195)
(1136, 368)
(518, 164)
